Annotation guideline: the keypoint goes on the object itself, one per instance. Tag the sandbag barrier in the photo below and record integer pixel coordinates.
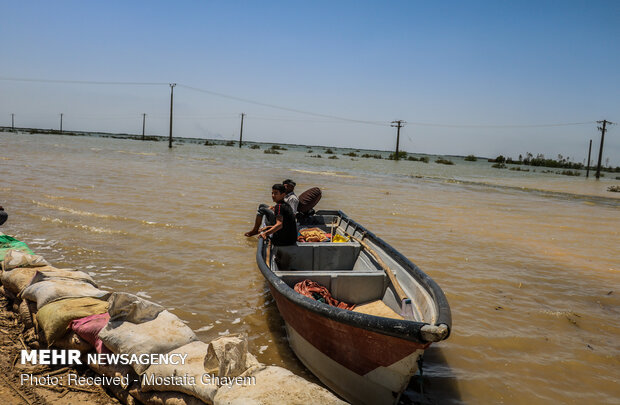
(65, 309)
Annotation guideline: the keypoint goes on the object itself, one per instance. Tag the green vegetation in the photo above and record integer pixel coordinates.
(444, 161)
(333, 157)
(316, 156)
(209, 143)
(570, 173)
(471, 158)
(255, 147)
(540, 160)
(518, 169)
(366, 155)
(424, 159)
(352, 154)
(329, 151)
(230, 143)
(272, 152)
(309, 151)
(401, 155)
(277, 147)
(499, 166)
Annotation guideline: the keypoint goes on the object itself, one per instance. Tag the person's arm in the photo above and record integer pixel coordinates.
(272, 229)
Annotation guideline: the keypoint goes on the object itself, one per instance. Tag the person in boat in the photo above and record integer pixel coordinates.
(268, 212)
(3, 215)
(284, 231)
(291, 198)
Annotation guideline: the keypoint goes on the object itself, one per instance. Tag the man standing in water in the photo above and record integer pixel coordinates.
(268, 212)
(284, 231)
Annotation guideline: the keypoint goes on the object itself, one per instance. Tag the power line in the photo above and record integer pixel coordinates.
(332, 117)
(426, 124)
(280, 107)
(21, 79)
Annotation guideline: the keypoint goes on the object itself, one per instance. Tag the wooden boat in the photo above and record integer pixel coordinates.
(369, 354)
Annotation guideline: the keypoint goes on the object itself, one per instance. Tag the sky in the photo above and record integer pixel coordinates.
(468, 77)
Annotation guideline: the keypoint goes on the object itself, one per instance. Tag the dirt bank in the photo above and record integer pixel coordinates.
(12, 391)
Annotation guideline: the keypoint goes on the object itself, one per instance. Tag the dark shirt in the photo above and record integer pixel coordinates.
(287, 235)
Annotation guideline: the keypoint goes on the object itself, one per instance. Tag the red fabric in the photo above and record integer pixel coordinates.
(307, 287)
(88, 328)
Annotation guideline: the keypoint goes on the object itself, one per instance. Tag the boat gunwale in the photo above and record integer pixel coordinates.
(404, 329)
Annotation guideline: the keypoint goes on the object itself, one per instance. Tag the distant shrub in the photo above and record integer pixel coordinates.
(316, 156)
(255, 147)
(518, 169)
(401, 155)
(230, 143)
(424, 159)
(570, 173)
(444, 161)
(333, 157)
(209, 143)
(352, 154)
(500, 159)
(309, 151)
(329, 151)
(413, 158)
(614, 189)
(277, 147)
(499, 166)
(272, 152)
(471, 158)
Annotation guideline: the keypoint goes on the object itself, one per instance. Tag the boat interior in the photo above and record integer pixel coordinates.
(351, 273)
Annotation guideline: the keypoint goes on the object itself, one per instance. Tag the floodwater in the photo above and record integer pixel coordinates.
(529, 261)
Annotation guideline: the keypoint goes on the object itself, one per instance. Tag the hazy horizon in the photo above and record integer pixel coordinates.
(481, 78)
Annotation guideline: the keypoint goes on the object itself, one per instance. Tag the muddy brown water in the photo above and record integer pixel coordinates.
(529, 261)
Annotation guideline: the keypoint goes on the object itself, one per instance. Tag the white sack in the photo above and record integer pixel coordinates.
(164, 333)
(192, 369)
(274, 385)
(15, 258)
(52, 290)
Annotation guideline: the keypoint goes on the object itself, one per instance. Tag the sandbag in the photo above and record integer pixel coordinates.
(164, 333)
(164, 398)
(308, 199)
(116, 370)
(54, 318)
(14, 258)
(26, 311)
(48, 291)
(88, 328)
(8, 243)
(228, 356)
(131, 308)
(44, 274)
(274, 385)
(72, 341)
(17, 279)
(193, 368)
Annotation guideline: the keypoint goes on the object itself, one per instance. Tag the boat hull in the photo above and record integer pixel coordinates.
(362, 366)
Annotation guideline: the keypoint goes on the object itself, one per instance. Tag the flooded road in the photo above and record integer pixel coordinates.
(529, 261)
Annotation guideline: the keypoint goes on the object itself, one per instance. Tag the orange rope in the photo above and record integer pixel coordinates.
(311, 288)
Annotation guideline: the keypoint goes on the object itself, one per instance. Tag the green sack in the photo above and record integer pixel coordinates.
(8, 242)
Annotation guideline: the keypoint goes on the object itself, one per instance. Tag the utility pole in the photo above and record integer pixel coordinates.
(12, 121)
(603, 129)
(398, 124)
(61, 123)
(241, 130)
(143, 124)
(588, 163)
(171, 100)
